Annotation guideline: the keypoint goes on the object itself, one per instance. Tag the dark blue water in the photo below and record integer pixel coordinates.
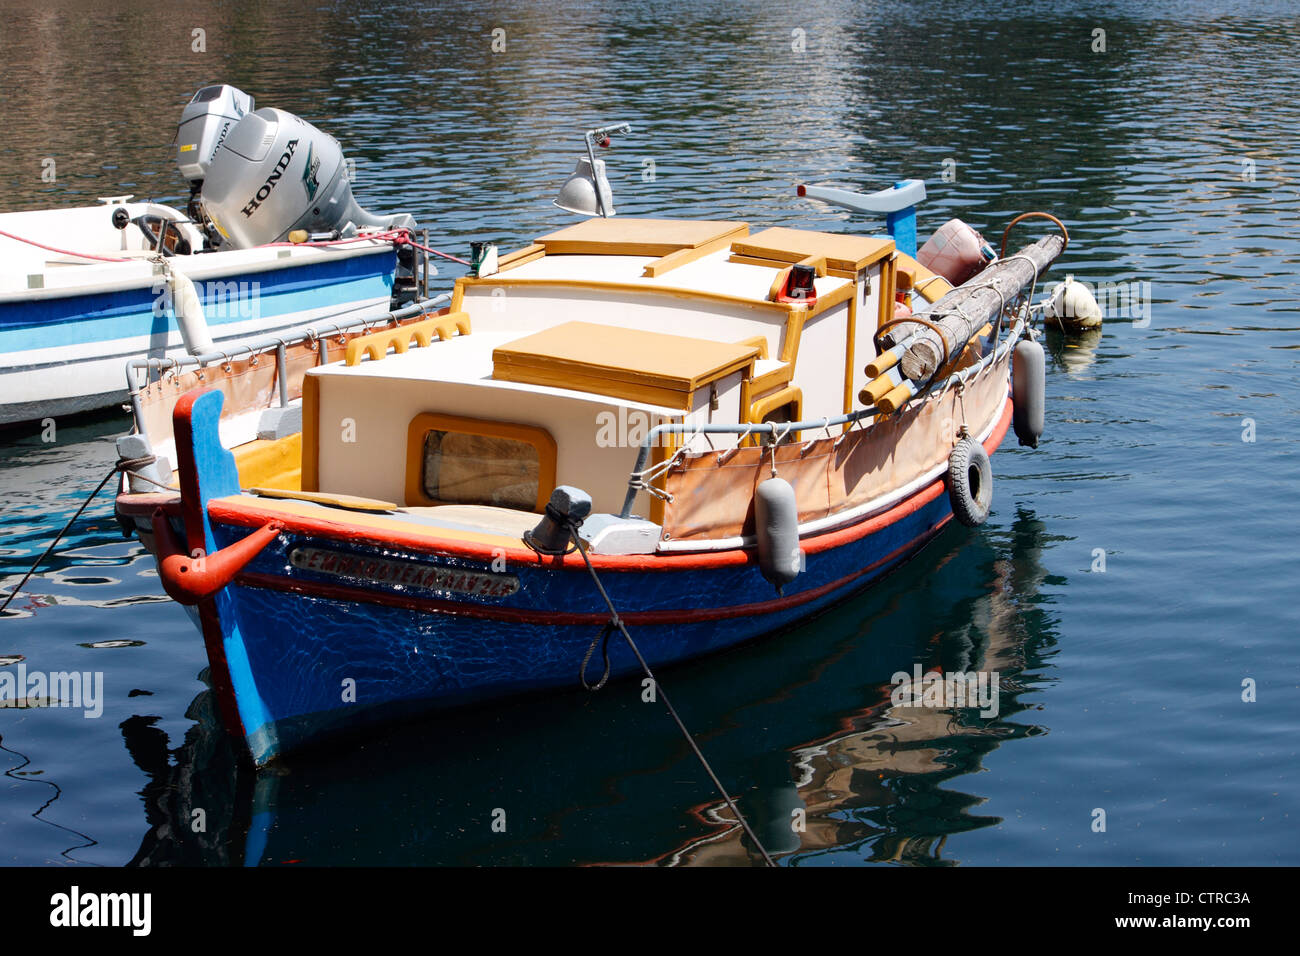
(1171, 156)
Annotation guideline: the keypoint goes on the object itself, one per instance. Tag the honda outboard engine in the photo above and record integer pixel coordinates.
(205, 123)
(268, 173)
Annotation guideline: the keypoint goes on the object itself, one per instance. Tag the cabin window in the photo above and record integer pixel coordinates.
(480, 469)
(461, 461)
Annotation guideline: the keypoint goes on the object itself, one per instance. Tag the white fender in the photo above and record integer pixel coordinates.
(776, 525)
(189, 314)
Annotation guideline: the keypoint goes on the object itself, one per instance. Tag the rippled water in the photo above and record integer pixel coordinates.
(1171, 156)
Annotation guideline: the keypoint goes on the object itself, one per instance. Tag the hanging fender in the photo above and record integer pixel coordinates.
(189, 580)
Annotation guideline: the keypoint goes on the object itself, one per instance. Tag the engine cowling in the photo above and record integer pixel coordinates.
(205, 123)
(275, 173)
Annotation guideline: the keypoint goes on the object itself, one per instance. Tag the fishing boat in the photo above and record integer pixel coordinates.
(84, 288)
(694, 430)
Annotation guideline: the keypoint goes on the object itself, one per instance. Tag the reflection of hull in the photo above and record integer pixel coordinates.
(300, 651)
(878, 784)
(197, 801)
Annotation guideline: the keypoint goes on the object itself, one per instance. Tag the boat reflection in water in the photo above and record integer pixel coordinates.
(877, 789)
(1074, 353)
(801, 720)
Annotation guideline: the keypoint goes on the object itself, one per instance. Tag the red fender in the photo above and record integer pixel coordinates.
(188, 580)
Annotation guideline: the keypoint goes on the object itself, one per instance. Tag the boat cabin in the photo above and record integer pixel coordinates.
(553, 370)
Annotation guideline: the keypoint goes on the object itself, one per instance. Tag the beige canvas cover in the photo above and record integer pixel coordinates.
(713, 493)
(246, 386)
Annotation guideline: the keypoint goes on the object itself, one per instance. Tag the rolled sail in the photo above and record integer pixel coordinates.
(968, 308)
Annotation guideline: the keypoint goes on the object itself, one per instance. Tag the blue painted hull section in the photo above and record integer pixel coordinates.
(294, 657)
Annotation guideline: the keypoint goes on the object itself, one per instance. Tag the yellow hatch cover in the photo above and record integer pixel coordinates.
(623, 363)
(843, 253)
(638, 237)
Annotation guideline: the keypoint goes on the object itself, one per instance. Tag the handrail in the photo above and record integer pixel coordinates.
(267, 343)
(769, 428)
(377, 344)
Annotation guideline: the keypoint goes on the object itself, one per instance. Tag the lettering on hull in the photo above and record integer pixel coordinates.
(395, 571)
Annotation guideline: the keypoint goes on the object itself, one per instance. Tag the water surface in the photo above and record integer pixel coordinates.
(1170, 155)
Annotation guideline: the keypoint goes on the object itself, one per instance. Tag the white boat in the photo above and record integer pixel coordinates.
(84, 289)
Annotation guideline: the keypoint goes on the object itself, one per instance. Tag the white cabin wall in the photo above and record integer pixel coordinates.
(728, 413)
(374, 464)
(819, 369)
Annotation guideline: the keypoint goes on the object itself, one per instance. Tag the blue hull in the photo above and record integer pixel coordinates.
(333, 627)
(129, 313)
(297, 645)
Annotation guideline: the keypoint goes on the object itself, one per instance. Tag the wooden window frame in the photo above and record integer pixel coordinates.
(422, 424)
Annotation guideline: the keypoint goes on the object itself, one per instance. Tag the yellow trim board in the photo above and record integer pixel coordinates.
(377, 344)
(639, 288)
(846, 253)
(520, 257)
(760, 385)
(309, 475)
(348, 502)
(624, 236)
(665, 264)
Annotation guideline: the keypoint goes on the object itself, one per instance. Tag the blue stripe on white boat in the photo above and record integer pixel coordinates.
(107, 316)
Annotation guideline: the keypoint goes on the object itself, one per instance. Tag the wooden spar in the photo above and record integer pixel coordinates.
(968, 307)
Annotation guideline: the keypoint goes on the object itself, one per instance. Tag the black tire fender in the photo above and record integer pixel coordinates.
(970, 483)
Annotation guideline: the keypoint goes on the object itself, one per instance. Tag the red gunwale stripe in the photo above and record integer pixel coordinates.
(251, 516)
(562, 618)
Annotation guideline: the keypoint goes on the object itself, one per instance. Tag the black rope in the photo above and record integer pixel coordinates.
(616, 622)
(58, 537)
(603, 639)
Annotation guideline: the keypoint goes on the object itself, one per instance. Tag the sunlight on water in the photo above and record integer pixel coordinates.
(1171, 157)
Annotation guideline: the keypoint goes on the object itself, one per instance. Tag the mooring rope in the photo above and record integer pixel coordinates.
(617, 622)
(117, 466)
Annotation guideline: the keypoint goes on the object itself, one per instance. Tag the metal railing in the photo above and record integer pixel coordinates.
(267, 343)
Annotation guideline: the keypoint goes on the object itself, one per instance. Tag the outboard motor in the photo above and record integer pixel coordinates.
(263, 174)
(205, 122)
(276, 173)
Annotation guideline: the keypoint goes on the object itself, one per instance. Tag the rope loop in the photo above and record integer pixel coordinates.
(603, 640)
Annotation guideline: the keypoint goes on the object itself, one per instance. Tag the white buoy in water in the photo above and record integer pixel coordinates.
(1072, 307)
(190, 318)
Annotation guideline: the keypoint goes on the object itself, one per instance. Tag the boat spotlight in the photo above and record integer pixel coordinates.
(586, 192)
